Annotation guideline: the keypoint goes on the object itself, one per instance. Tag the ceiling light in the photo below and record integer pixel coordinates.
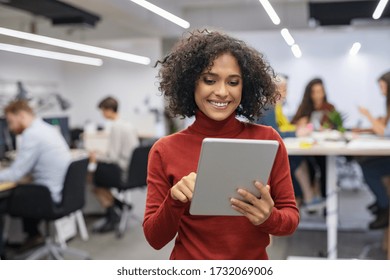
(296, 51)
(270, 11)
(75, 46)
(379, 9)
(161, 12)
(355, 49)
(52, 55)
(287, 37)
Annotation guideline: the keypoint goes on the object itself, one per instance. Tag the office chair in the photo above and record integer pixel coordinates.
(34, 201)
(109, 175)
(384, 244)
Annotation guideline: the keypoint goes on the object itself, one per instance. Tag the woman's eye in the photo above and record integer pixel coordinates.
(208, 81)
(234, 83)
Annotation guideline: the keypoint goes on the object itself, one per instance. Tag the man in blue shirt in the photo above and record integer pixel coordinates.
(43, 154)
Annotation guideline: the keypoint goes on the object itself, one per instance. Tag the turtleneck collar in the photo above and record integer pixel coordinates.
(230, 127)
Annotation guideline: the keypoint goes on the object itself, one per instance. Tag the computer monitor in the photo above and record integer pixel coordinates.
(7, 139)
(63, 124)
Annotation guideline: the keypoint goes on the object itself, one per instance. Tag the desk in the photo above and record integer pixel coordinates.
(331, 149)
(64, 226)
(5, 189)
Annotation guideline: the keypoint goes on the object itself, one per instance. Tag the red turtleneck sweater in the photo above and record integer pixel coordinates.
(212, 237)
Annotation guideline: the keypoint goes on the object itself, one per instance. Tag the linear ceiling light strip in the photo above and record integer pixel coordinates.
(379, 9)
(287, 36)
(270, 11)
(75, 46)
(162, 13)
(355, 49)
(52, 55)
(296, 51)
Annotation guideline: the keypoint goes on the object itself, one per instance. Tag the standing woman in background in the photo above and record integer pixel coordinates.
(375, 168)
(215, 78)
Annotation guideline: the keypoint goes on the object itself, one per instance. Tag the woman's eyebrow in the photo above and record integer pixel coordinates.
(216, 75)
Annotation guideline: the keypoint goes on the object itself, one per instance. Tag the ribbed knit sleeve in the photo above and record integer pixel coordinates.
(284, 218)
(162, 214)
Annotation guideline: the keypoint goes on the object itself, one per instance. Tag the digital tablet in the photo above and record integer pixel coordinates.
(225, 165)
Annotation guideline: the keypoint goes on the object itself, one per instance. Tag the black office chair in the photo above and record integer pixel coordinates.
(34, 201)
(108, 175)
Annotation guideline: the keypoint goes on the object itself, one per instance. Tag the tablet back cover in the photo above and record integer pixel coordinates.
(224, 166)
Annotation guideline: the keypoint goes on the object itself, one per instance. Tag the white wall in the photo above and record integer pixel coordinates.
(131, 83)
(37, 75)
(349, 81)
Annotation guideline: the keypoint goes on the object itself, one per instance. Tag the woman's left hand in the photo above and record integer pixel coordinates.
(257, 210)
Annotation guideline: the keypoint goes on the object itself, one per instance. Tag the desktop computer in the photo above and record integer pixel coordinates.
(63, 124)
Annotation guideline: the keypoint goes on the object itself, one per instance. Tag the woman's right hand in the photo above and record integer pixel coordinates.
(92, 157)
(303, 131)
(184, 189)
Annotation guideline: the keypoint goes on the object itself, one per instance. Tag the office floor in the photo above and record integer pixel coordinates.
(308, 241)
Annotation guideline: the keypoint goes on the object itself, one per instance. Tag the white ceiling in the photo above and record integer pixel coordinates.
(121, 19)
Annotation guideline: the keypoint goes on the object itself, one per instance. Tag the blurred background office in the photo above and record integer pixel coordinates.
(339, 41)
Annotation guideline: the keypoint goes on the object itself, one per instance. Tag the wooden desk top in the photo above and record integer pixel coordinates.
(7, 186)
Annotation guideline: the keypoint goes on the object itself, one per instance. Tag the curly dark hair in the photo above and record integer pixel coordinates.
(181, 70)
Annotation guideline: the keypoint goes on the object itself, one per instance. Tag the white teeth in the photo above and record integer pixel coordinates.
(219, 104)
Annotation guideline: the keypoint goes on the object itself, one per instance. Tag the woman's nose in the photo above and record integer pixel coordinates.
(222, 90)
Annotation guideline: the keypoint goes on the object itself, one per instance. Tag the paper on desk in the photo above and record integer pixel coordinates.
(369, 144)
(97, 142)
(331, 144)
(298, 142)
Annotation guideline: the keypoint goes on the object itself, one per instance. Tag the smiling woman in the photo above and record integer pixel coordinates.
(218, 91)
(216, 78)
(194, 56)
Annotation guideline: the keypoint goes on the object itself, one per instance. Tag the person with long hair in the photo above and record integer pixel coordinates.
(215, 78)
(274, 116)
(315, 109)
(375, 168)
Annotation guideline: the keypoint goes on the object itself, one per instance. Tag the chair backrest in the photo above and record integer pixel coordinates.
(108, 175)
(34, 201)
(136, 176)
(73, 193)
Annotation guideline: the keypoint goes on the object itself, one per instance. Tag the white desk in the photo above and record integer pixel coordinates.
(331, 149)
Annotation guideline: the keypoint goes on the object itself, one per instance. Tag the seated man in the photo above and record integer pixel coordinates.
(43, 154)
(123, 138)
